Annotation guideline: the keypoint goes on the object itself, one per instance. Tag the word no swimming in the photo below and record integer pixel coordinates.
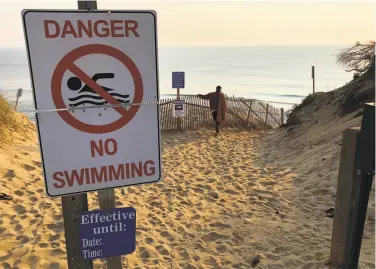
(115, 216)
(89, 28)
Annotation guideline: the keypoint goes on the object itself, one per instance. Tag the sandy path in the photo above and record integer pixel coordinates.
(217, 206)
(313, 151)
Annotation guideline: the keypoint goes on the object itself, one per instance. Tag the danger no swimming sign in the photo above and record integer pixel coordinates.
(90, 72)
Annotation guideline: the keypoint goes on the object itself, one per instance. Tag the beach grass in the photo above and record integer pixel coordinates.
(7, 118)
(11, 122)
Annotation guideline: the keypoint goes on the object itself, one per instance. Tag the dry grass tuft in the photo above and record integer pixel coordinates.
(8, 119)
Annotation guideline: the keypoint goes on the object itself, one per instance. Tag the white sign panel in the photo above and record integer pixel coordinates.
(178, 108)
(90, 72)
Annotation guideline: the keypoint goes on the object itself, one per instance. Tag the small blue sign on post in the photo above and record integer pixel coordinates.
(178, 80)
(107, 234)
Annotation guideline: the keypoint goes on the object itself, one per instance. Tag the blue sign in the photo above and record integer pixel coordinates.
(178, 80)
(106, 234)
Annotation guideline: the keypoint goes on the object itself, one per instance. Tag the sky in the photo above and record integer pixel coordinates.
(226, 23)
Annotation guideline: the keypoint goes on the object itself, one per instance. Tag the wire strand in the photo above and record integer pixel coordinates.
(161, 102)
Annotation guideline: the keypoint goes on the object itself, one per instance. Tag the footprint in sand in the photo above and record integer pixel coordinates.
(54, 237)
(198, 190)
(45, 205)
(211, 180)
(19, 193)
(30, 193)
(32, 261)
(161, 250)
(19, 209)
(6, 265)
(43, 245)
(269, 183)
(33, 211)
(54, 265)
(221, 249)
(232, 192)
(57, 251)
(33, 221)
(213, 236)
(19, 253)
(144, 253)
(10, 174)
(200, 180)
(23, 217)
(39, 164)
(220, 225)
(28, 167)
(58, 217)
(55, 245)
(239, 188)
(18, 227)
(37, 238)
(5, 257)
(56, 228)
(196, 217)
(149, 240)
(184, 254)
(36, 180)
(206, 187)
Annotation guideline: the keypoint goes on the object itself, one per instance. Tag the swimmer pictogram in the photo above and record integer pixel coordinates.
(93, 89)
(86, 95)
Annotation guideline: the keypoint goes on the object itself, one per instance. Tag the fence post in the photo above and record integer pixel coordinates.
(347, 187)
(179, 118)
(19, 94)
(107, 202)
(106, 197)
(313, 78)
(267, 112)
(73, 205)
(282, 116)
(353, 189)
(249, 112)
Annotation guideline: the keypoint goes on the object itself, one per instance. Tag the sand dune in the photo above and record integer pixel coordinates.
(222, 201)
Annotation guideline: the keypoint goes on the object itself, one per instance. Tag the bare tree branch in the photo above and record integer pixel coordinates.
(358, 58)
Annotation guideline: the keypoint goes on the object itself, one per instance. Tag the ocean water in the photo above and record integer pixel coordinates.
(270, 73)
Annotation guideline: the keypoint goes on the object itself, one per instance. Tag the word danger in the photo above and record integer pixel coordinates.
(89, 28)
(94, 175)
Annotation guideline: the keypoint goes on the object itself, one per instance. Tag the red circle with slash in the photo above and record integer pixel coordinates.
(67, 63)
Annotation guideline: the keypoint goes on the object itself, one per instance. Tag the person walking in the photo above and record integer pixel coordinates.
(218, 106)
